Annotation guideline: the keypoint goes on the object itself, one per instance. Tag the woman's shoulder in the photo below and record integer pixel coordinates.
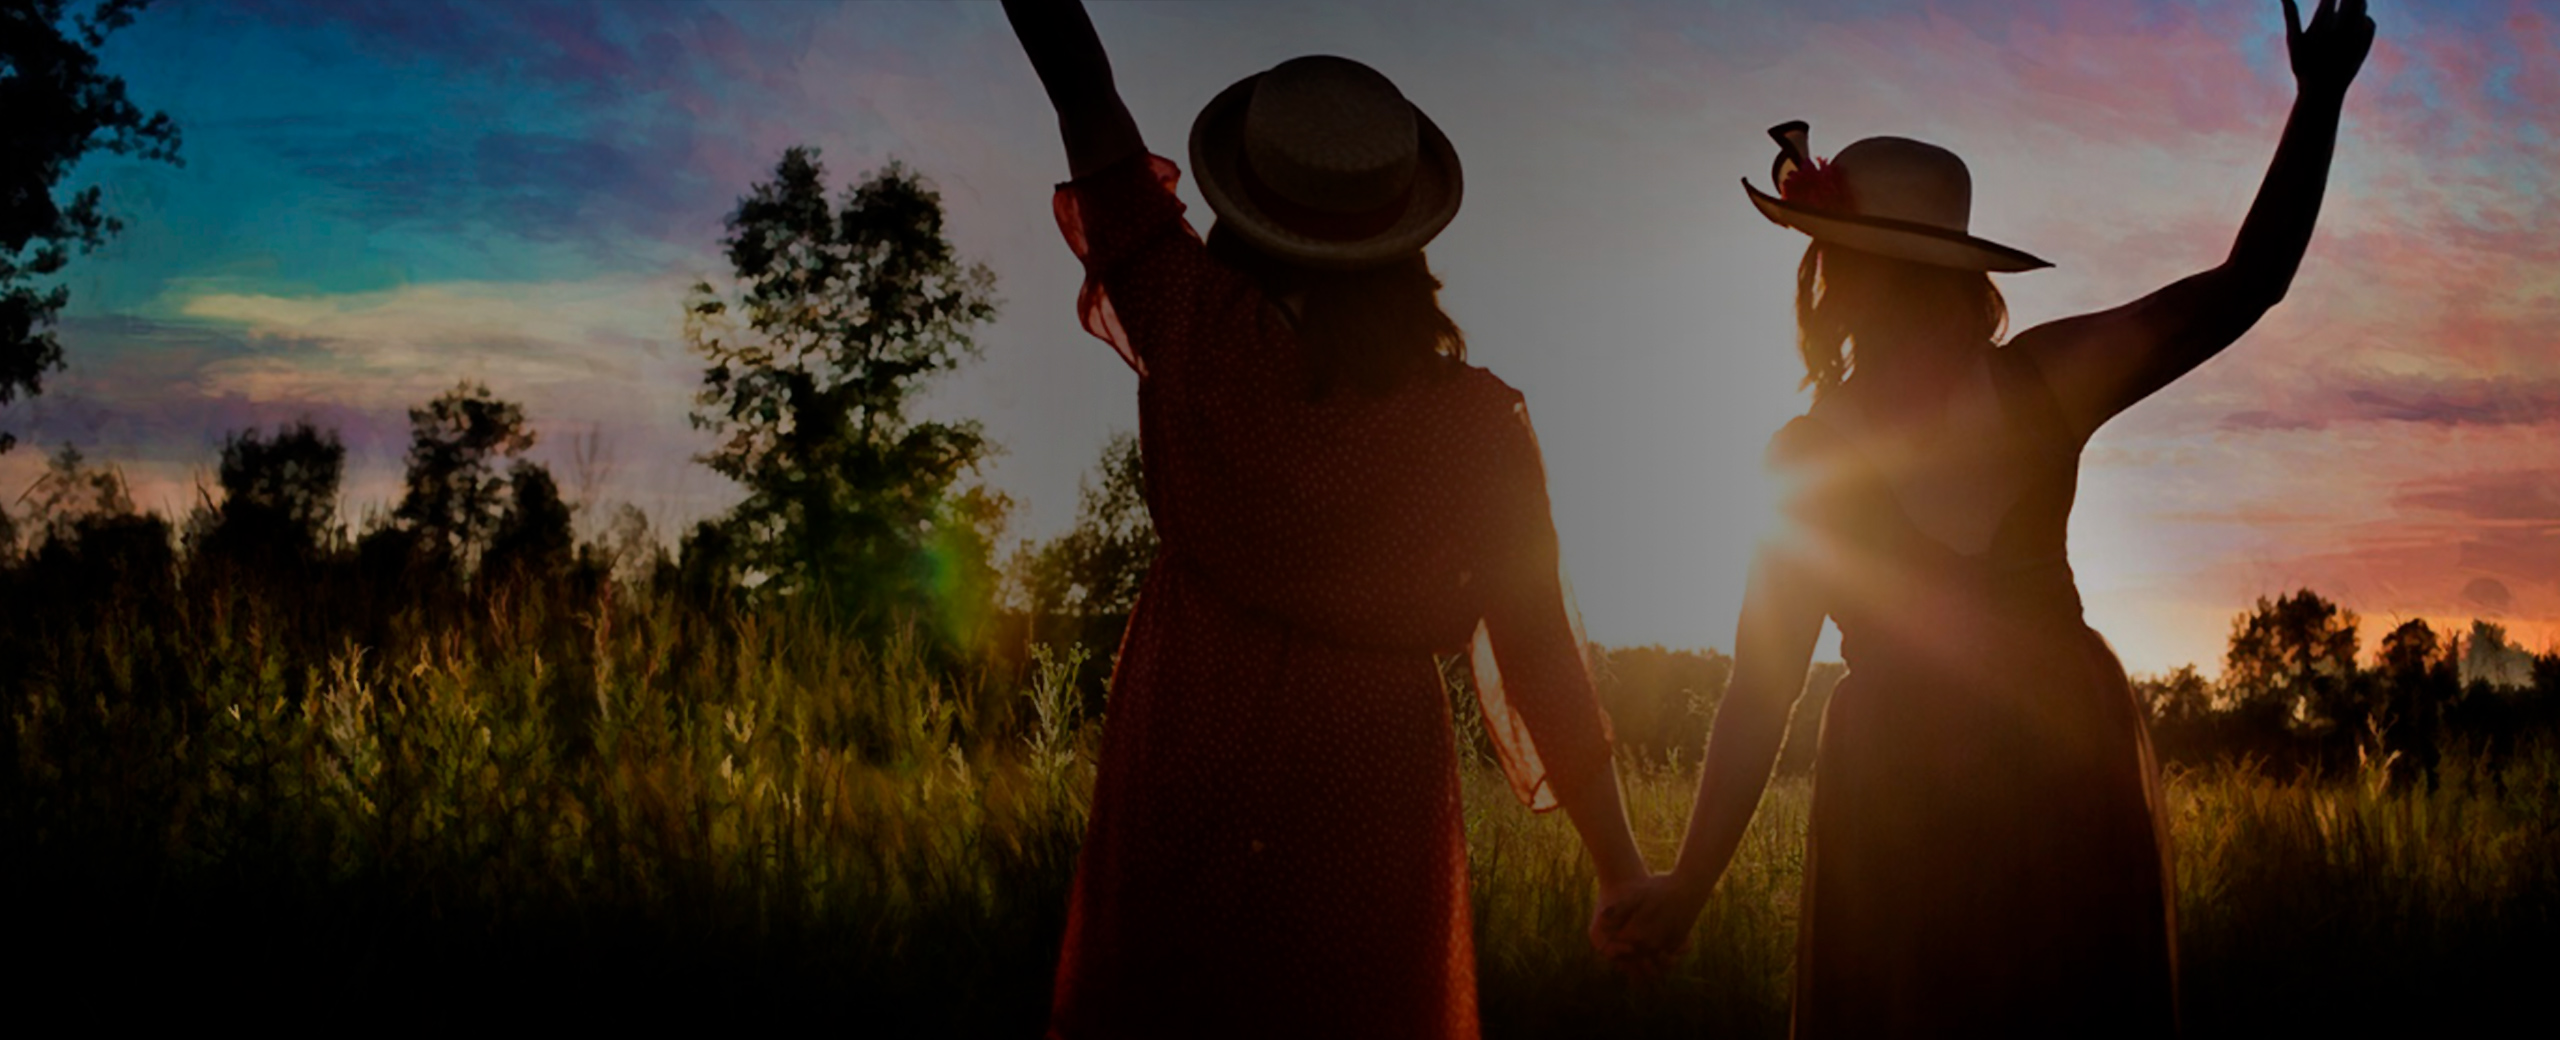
(1805, 441)
(1475, 378)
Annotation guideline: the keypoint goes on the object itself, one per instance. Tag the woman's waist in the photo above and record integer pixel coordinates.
(1967, 613)
(1385, 614)
(2041, 589)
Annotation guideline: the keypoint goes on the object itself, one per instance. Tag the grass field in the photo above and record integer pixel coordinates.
(635, 812)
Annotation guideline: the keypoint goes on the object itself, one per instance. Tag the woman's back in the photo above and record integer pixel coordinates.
(1979, 506)
(1276, 842)
(1987, 854)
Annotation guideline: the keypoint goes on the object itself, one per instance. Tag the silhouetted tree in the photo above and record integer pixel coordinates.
(56, 107)
(707, 570)
(627, 550)
(2181, 698)
(840, 317)
(2419, 682)
(1659, 701)
(1081, 585)
(71, 493)
(279, 502)
(2489, 658)
(92, 545)
(532, 540)
(2292, 666)
(454, 497)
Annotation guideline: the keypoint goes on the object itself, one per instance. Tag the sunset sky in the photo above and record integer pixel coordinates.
(382, 197)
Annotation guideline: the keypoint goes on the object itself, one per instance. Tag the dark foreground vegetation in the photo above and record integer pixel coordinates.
(247, 771)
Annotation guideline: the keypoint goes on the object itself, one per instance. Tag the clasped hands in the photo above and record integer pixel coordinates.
(1642, 926)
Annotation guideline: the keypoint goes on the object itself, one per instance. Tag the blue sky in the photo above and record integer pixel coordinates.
(382, 197)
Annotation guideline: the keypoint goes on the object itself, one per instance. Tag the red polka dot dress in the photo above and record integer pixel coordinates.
(1275, 845)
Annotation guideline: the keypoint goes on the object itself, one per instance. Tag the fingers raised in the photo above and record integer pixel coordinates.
(2292, 23)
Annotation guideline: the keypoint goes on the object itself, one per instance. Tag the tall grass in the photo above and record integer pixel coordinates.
(635, 805)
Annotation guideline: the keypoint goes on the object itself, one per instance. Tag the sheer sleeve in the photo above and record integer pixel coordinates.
(1126, 225)
(1532, 679)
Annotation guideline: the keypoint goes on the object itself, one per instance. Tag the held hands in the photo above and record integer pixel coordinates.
(2327, 53)
(1642, 926)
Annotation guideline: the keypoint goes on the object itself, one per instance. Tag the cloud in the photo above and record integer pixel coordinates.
(2489, 594)
(2509, 520)
(2446, 402)
(2531, 495)
(586, 123)
(538, 186)
(400, 345)
(593, 46)
(2263, 420)
(599, 358)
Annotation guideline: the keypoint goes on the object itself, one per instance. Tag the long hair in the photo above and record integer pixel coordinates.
(1840, 291)
(1369, 330)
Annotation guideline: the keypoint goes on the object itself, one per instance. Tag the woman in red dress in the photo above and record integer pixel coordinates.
(1276, 845)
(1987, 855)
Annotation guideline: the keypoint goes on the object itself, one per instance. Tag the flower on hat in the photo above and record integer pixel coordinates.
(1815, 185)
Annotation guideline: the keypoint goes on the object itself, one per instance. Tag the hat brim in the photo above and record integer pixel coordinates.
(1900, 239)
(1217, 149)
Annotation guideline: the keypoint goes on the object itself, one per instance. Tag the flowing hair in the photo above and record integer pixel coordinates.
(1884, 290)
(1369, 329)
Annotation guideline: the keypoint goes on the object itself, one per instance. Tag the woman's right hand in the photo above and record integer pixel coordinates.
(1644, 927)
(2327, 53)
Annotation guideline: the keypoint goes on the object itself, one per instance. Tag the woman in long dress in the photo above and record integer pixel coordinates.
(1987, 854)
(1275, 845)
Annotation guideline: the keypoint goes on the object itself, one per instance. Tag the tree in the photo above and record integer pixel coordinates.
(2489, 659)
(1080, 586)
(2179, 708)
(279, 502)
(2292, 665)
(59, 107)
(2420, 683)
(454, 498)
(1094, 570)
(1659, 701)
(532, 539)
(2179, 698)
(73, 495)
(92, 544)
(839, 319)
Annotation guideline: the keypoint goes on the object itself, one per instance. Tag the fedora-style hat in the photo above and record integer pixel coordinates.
(1321, 161)
(1891, 196)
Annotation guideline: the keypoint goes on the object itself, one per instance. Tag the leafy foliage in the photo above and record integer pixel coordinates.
(279, 503)
(454, 499)
(1079, 587)
(841, 317)
(60, 107)
(2292, 663)
(532, 537)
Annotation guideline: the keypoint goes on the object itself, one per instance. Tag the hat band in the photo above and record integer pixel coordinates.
(1322, 224)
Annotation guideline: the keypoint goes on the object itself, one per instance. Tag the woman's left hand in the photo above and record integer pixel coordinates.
(2327, 53)
(1643, 925)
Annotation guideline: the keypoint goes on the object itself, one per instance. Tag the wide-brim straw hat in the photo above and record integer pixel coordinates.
(1321, 161)
(1891, 196)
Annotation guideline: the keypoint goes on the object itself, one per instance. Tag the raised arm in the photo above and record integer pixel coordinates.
(2100, 364)
(1059, 39)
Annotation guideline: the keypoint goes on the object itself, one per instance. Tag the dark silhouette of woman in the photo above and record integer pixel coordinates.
(1987, 854)
(1275, 846)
